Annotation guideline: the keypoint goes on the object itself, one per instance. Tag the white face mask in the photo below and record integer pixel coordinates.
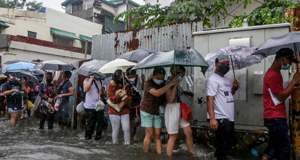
(132, 79)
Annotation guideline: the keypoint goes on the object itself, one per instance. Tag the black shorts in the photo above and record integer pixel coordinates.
(132, 114)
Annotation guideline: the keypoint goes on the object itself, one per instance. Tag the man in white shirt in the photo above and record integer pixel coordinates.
(93, 88)
(220, 106)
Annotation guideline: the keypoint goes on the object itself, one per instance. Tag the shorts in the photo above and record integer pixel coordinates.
(173, 119)
(14, 110)
(149, 120)
(132, 114)
(63, 114)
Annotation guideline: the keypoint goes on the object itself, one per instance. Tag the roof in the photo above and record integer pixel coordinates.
(85, 38)
(66, 2)
(130, 1)
(63, 33)
(109, 2)
(3, 24)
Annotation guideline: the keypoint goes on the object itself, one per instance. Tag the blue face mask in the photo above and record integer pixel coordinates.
(97, 76)
(287, 67)
(158, 82)
(180, 78)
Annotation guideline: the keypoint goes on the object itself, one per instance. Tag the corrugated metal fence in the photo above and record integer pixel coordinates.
(173, 36)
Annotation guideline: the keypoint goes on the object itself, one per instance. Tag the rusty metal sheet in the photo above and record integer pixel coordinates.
(173, 36)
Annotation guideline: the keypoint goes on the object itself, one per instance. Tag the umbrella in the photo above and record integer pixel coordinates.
(21, 73)
(240, 57)
(90, 67)
(37, 71)
(273, 44)
(13, 61)
(188, 58)
(136, 55)
(54, 65)
(19, 66)
(112, 66)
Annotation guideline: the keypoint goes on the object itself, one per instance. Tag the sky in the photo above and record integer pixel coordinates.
(55, 4)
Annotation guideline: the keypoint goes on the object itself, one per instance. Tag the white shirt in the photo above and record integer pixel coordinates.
(220, 88)
(92, 96)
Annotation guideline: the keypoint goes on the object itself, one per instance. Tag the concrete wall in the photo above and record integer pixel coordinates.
(87, 4)
(21, 22)
(108, 8)
(121, 8)
(249, 112)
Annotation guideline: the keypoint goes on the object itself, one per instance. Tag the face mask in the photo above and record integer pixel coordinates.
(132, 79)
(97, 76)
(223, 69)
(180, 78)
(49, 80)
(287, 67)
(158, 82)
(120, 81)
(14, 82)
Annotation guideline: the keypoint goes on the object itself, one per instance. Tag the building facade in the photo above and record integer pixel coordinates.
(100, 11)
(46, 35)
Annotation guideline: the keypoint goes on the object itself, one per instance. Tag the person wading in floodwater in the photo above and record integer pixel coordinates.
(64, 91)
(220, 106)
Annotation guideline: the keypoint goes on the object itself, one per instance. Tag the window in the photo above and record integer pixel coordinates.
(31, 34)
(63, 40)
(76, 7)
(89, 45)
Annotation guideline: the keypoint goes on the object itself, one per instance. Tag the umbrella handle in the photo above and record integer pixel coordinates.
(232, 67)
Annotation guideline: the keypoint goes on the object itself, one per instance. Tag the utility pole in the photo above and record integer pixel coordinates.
(128, 21)
(85, 49)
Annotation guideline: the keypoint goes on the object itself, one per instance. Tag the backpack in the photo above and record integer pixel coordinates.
(136, 96)
(46, 108)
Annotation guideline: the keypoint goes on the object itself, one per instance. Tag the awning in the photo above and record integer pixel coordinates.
(3, 24)
(63, 33)
(85, 38)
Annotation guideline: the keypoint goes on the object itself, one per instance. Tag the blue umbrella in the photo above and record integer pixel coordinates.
(19, 66)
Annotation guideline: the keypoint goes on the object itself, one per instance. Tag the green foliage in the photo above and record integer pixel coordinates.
(34, 6)
(270, 12)
(184, 10)
(19, 4)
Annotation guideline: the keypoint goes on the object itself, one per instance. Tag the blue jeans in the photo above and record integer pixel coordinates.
(279, 143)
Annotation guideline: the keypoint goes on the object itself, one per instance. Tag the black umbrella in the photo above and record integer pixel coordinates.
(21, 73)
(55, 65)
(14, 61)
(136, 55)
(91, 67)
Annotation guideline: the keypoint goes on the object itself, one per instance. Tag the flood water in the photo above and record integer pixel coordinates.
(26, 141)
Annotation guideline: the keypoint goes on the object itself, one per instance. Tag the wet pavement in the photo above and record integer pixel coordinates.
(26, 141)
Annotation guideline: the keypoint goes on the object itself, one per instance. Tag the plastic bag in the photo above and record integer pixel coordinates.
(57, 104)
(100, 106)
(186, 111)
(80, 108)
(29, 105)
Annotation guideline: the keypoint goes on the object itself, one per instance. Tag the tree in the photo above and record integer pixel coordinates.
(34, 6)
(19, 4)
(184, 10)
(270, 12)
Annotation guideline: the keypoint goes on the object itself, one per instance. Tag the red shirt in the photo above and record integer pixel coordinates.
(273, 80)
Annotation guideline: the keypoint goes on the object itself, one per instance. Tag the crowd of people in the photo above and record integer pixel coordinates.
(129, 96)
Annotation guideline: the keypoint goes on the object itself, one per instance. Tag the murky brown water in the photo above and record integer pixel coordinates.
(27, 142)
